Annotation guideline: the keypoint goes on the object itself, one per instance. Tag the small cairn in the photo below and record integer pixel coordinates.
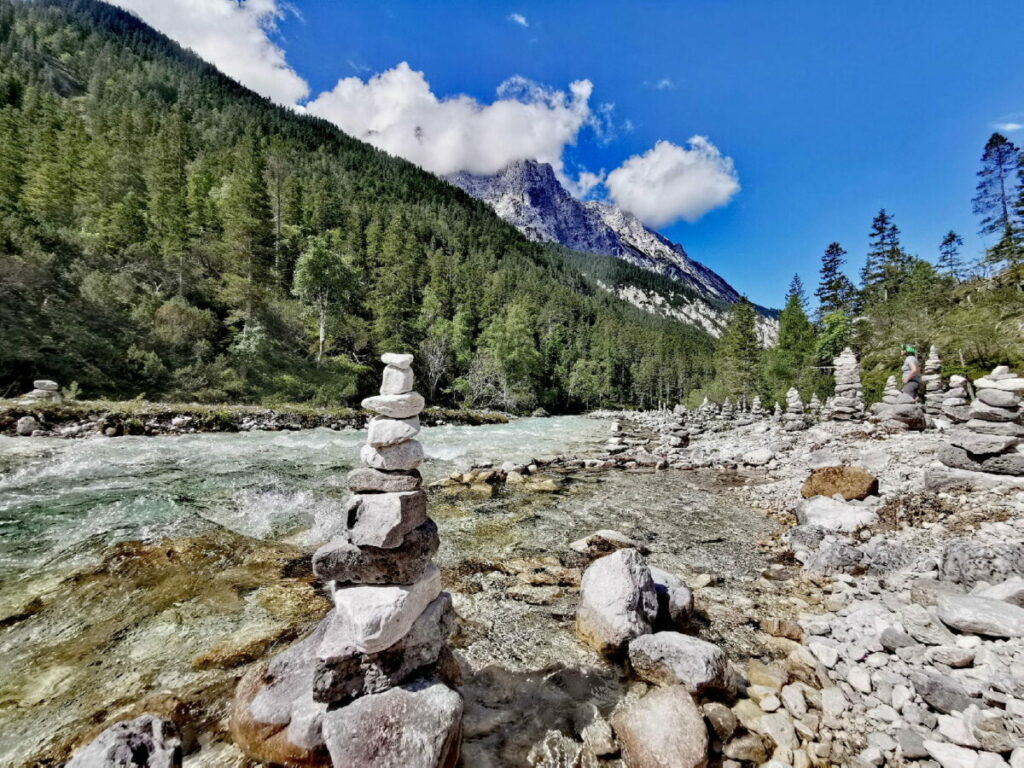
(728, 412)
(934, 387)
(777, 412)
(891, 393)
(814, 408)
(848, 402)
(44, 391)
(756, 409)
(956, 402)
(794, 418)
(991, 439)
(372, 685)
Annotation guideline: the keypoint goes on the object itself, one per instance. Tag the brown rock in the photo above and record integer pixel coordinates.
(782, 628)
(664, 729)
(850, 482)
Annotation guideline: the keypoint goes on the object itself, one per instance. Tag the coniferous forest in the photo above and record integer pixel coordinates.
(165, 232)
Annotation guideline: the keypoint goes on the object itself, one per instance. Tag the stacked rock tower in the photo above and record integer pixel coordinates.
(848, 402)
(794, 420)
(43, 390)
(956, 401)
(372, 684)
(931, 378)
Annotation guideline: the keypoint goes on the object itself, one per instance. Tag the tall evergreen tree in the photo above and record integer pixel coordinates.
(739, 356)
(835, 291)
(950, 262)
(167, 184)
(790, 361)
(996, 200)
(323, 280)
(886, 264)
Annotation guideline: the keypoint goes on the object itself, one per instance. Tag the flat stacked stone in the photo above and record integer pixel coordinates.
(814, 408)
(848, 402)
(992, 439)
(891, 393)
(898, 411)
(372, 684)
(728, 412)
(957, 400)
(756, 409)
(777, 412)
(43, 390)
(934, 386)
(794, 418)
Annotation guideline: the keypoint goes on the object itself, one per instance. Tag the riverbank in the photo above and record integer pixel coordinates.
(86, 418)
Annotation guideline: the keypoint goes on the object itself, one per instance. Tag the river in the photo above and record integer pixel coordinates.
(144, 573)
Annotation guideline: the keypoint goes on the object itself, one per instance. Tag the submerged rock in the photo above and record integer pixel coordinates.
(604, 542)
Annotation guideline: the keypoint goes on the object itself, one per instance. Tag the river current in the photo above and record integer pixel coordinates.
(143, 574)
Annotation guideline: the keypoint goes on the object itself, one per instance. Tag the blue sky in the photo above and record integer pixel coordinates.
(828, 110)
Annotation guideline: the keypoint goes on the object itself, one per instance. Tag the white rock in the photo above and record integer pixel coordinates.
(370, 618)
(671, 658)
(396, 381)
(396, 406)
(1009, 591)
(383, 519)
(397, 360)
(404, 456)
(833, 515)
(981, 615)
(618, 601)
(383, 431)
(778, 727)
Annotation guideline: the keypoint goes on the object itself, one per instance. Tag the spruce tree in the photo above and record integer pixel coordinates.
(789, 362)
(997, 198)
(835, 290)
(739, 353)
(950, 264)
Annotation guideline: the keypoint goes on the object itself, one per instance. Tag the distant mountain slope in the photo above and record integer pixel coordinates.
(529, 196)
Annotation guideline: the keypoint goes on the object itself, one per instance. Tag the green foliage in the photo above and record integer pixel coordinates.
(162, 229)
(740, 372)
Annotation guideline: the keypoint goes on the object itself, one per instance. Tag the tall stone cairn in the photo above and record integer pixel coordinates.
(756, 409)
(777, 412)
(728, 412)
(43, 390)
(993, 437)
(794, 418)
(372, 685)
(891, 393)
(931, 379)
(957, 400)
(814, 408)
(848, 402)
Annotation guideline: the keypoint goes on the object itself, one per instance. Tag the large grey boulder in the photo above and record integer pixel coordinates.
(1009, 591)
(417, 725)
(981, 444)
(981, 615)
(942, 693)
(618, 601)
(145, 742)
(833, 515)
(26, 426)
(1003, 464)
(671, 658)
(384, 519)
(663, 729)
(967, 562)
(402, 457)
(344, 562)
(358, 674)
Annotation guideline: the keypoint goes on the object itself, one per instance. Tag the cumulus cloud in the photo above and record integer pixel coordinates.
(396, 111)
(233, 36)
(669, 182)
(664, 84)
(518, 18)
(1008, 126)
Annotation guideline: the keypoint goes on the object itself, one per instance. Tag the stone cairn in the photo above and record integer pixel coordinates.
(993, 438)
(777, 412)
(756, 409)
(891, 393)
(814, 408)
(728, 412)
(372, 685)
(794, 418)
(848, 402)
(956, 400)
(44, 391)
(934, 387)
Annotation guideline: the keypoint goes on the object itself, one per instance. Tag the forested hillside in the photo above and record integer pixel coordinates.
(165, 232)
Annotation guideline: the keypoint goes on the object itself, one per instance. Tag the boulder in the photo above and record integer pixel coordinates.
(370, 618)
(981, 615)
(343, 679)
(758, 457)
(604, 542)
(675, 600)
(396, 380)
(395, 406)
(980, 410)
(1007, 428)
(1002, 464)
(663, 729)
(1009, 591)
(999, 398)
(671, 658)
(344, 562)
(382, 431)
(967, 562)
(26, 426)
(417, 725)
(367, 480)
(402, 457)
(849, 482)
(618, 601)
(145, 742)
(384, 519)
(981, 444)
(942, 693)
(833, 515)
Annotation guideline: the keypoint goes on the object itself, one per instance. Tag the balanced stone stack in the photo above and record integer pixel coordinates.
(848, 402)
(957, 400)
(934, 388)
(777, 412)
(891, 393)
(794, 419)
(372, 684)
(756, 409)
(814, 408)
(992, 440)
(45, 391)
(728, 412)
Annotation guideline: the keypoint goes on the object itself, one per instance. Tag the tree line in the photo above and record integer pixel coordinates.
(973, 312)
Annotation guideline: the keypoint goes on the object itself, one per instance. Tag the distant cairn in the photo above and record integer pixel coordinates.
(848, 402)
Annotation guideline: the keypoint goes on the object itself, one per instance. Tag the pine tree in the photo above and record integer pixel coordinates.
(323, 279)
(12, 159)
(167, 184)
(789, 362)
(835, 290)
(886, 265)
(950, 263)
(739, 354)
(998, 195)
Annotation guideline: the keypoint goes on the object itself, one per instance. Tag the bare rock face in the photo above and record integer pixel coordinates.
(663, 729)
(618, 601)
(417, 725)
(145, 742)
(850, 482)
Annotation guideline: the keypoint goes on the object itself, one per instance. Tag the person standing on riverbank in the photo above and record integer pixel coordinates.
(911, 370)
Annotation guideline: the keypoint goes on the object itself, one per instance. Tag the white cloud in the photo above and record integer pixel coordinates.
(1008, 127)
(669, 182)
(397, 112)
(518, 18)
(664, 84)
(233, 36)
